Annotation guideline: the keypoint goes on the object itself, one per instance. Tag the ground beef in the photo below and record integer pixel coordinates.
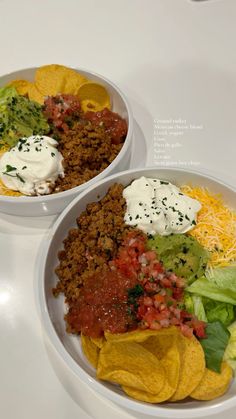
(87, 150)
(90, 247)
(88, 142)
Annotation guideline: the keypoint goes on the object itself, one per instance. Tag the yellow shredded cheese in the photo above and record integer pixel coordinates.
(8, 192)
(216, 226)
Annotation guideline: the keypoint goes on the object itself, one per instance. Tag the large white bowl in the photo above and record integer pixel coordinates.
(55, 203)
(53, 309)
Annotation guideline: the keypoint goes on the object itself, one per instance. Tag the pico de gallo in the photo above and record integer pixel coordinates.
(134, 291)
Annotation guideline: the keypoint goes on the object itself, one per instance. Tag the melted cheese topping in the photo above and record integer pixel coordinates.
(216, 226)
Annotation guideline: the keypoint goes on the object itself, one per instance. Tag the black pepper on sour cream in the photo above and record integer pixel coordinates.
(158, 207)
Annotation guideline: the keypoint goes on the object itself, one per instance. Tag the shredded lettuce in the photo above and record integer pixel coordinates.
(209, 289)
(224, 277)
(216, 310)
(230, 352)
(193, 304)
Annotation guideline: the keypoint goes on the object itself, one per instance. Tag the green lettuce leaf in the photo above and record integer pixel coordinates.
(230, 352)
(206, 288)
(215, 344)
(199, 309)
(216, 310)
(188, 302)
(224, 277)
(193, 304)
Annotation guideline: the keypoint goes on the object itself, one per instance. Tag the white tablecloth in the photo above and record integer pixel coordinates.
(176, 62)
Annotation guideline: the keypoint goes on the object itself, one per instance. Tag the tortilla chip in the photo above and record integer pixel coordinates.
(94, 97)
(35, 95)
(213, 385)
(22, 86)
(132, 366)
(140, 335)
(99, 342)
(192, 366)
(167, 351)
(90, 350)
(73, 82)
(54, 78)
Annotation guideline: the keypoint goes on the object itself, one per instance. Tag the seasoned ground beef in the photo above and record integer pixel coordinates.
(88, 142)
(89, 248)
(87, 150)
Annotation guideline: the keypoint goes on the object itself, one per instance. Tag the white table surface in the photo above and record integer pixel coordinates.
(176, 61)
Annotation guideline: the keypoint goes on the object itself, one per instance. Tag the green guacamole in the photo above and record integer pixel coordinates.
(19, 117)
(180, 254)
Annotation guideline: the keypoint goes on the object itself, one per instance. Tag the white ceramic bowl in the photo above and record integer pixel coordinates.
(53, 309)
(55, 203)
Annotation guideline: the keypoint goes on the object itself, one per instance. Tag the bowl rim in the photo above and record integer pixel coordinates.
(58, 346)
(77, 189)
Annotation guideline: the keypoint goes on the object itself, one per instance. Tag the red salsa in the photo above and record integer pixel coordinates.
(102, 305)
(114, 125)
(136, 292)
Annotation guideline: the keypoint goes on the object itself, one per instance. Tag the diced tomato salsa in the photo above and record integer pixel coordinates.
(64, 109)
(114, 125)
(136, 292)
(60, 108)
(102, 305)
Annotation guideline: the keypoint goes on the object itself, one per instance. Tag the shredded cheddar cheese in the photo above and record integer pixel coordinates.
(216, 226)
(8, 192)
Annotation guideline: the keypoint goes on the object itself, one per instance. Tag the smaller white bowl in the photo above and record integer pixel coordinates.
(53, 309)
(37, 206)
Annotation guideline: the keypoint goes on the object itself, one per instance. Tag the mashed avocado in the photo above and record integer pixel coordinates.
(181, 254)
(19, 117)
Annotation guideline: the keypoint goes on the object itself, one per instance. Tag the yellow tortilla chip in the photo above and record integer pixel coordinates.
(140, 335)
(166, 350)
(192, 367)
(73, 82)
(94, 97)
(99, 342)
(212, 384)
(131, 365)
(54, 78)
(35, 95)
(22, 86)
(90, 350)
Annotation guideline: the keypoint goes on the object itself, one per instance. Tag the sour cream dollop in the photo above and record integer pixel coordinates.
(159, 207)
(32, 166)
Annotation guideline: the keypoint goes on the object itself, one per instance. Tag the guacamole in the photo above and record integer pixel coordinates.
(180, 254)
(19, 117)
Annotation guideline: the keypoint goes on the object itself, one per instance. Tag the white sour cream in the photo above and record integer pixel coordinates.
(32, 166)
(158, 207)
